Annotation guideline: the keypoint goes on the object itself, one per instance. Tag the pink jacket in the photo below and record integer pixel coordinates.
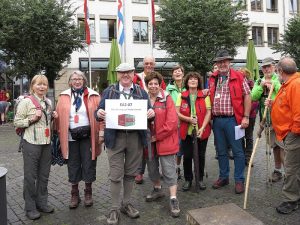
(62, 122)
(166, 125)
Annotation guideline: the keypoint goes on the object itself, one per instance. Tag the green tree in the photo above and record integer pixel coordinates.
(290, 40)
(37, 35)
(192, 31)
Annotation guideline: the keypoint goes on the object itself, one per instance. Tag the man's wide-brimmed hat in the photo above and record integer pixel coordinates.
(222, 55)
(123, 67)
(267, 61)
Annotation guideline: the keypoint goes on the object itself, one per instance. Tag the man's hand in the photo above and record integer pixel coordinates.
(101, 114)
(150, 113)
(268, 103)
(245, 122)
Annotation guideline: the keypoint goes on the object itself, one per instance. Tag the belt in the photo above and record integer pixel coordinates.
(222, 116)
(127, 131)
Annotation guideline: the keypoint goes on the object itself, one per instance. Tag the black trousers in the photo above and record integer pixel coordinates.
(80, 163)
(187, 148)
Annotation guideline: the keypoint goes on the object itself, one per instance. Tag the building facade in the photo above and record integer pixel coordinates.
(267, 20)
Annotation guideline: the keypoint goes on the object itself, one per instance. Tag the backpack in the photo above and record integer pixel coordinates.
(20, 130)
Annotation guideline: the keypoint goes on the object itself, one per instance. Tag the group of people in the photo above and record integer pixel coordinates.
(180, 120)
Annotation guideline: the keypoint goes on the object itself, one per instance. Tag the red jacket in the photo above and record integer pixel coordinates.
(3, 96)
(236, 92)
(165, 125)
(185, 109)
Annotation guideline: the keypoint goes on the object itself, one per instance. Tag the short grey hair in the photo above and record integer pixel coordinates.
(149, 57)
(79, 73)
(287, 65)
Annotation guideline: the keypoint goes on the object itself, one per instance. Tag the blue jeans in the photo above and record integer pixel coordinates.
(225, 136)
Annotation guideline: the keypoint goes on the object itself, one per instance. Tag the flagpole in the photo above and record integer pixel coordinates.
(152, 26)
(124, 44)
(90, 66)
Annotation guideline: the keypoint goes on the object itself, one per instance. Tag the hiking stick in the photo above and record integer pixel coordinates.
(260, 130)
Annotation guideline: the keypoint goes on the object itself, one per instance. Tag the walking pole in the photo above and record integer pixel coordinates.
(196, 158)
(268, 148)
(261, 128)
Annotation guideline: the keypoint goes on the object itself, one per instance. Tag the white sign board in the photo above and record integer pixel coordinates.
(126, 114)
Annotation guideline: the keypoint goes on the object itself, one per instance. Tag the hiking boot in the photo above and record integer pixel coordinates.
(139, 179)
(130, 211)
(174, 207)
(46, 209)
(287, 207)
(33, 214)
(276, 176)
(202, 185)
(178, 173)
(88, 199)
(220, 183)
(75, 199)
(187, 185)
(239, 187)
(155, 194)
(113, 217)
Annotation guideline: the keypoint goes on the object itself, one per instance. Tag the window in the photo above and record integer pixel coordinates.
(140, 31)
(157, 1)
(82, 29)
(272, 6)
(257, 36)
(256, 5)
(140, 1)
(293, 6)
(272, 36)
(107, 29)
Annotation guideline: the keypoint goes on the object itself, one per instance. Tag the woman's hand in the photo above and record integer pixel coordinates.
(101, 114)
(193, 121)
(36, 117)
(200, 132)
(54, 115)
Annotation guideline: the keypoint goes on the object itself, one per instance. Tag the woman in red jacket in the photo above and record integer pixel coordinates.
(194, 111)
(164, 142)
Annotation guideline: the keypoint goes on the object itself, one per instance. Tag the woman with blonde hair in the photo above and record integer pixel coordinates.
(78, 132)
(34, 114)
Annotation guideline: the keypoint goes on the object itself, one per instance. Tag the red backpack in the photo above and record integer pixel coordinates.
(20, 130)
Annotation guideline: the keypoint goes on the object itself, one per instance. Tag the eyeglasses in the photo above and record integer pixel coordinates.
(77, 79)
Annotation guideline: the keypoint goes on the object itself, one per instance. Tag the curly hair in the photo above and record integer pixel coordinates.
(194, 75)
(153, 75)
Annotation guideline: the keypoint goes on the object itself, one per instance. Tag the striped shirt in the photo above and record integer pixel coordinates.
(35, 133)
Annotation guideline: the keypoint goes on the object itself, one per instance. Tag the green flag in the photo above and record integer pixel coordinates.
(114, 61)
(252, 64)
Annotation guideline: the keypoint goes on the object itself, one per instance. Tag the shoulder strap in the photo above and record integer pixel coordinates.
(112, 89)
(138, 90)
(35, 102)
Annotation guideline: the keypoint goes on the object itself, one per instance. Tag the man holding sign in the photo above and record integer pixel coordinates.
(124, 146)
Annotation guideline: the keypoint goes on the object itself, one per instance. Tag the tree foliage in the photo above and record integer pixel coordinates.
(192, 31)
(290, 40)
(37, 35)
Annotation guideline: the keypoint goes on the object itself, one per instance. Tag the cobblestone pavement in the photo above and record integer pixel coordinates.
(262, 197)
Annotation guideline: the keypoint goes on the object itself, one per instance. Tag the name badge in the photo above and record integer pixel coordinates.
(218, 96)
(47, 132)
(76, 118)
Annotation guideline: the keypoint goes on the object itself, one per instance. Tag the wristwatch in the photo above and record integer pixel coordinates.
(246, 116)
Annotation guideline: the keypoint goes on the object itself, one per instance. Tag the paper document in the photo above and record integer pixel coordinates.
(239, 132)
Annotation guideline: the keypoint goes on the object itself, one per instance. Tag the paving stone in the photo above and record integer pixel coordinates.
(227, 214)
